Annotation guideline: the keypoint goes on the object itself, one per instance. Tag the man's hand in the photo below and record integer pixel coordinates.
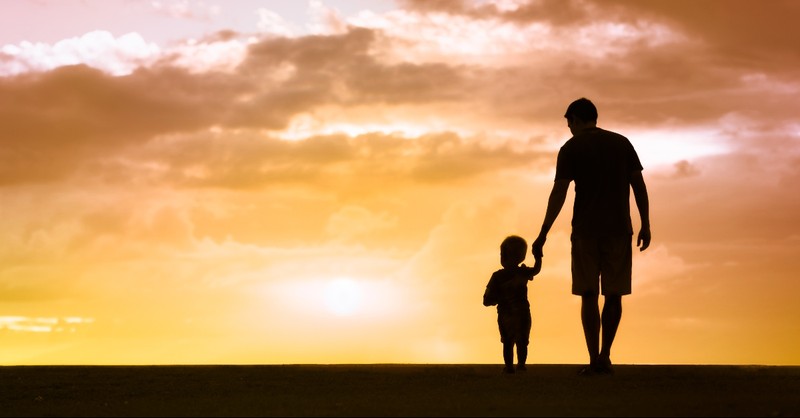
(537, 247)
(643, 241)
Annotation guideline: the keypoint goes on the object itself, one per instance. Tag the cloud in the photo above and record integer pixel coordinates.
(268, 84)
(43, 324)
(555, 11)
(629, 54)
(768, 42)
(366, 162)
(766, 45)
(99, 49)
(684, 168)
(100, 116)
(77, 112)
(351, 222)
(220, 52)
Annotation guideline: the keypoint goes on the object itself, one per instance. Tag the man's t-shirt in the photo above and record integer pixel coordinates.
(600, 163)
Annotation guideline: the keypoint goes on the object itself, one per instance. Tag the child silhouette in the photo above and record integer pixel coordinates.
(508, 289)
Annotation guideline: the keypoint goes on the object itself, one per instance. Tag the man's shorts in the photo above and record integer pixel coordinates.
(601, 263)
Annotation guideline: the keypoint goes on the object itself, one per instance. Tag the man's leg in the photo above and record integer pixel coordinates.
(590, 318)
(586, 283)
(612, 313)
(616, 266)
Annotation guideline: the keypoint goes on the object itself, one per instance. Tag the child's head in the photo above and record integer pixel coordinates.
(512, 251)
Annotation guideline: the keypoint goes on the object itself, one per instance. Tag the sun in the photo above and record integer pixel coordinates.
(343, 296)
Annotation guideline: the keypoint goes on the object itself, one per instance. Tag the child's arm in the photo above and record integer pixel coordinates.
(537, 265)
(532, 271)
(489, 297)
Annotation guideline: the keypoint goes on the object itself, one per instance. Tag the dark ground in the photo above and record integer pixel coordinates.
(397, 390)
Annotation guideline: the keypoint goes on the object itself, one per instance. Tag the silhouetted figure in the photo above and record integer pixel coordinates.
(508, 289)
(604, 167)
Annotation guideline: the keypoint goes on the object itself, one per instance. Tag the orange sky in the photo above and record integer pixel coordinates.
(329, 182)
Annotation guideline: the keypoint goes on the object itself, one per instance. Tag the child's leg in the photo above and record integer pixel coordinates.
(508, 354)
(508, 357)
(523, 339)
(522, 353)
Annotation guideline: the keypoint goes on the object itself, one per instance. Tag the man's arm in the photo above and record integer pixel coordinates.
(554, 204)
(643, 203)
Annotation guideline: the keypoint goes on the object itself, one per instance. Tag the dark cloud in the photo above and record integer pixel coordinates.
(701, 71)
(740, 33)
(558, 12)
(446, 6)
(52, 121)
(340, 69)
(684, 168)
(221, 36)
(407, 83)
(73, 114)
(379, 160)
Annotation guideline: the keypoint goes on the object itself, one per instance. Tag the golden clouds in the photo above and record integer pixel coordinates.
(96, 114)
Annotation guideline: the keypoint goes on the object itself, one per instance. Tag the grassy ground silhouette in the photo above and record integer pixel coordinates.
(397, 390)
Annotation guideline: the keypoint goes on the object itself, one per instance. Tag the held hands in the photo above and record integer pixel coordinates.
(537, 265)
(537, 247)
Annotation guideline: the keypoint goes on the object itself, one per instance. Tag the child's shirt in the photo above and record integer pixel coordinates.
(508, 289)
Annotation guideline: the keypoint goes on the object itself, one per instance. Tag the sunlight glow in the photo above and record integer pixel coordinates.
(343, 296)
(656, 148)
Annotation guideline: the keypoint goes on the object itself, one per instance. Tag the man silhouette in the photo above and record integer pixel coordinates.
(604, 167)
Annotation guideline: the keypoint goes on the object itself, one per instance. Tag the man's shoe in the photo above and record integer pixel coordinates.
(521, 368)
(603, 366)
(508, 370)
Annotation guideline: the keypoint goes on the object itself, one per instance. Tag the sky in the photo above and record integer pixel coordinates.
(328, 182)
